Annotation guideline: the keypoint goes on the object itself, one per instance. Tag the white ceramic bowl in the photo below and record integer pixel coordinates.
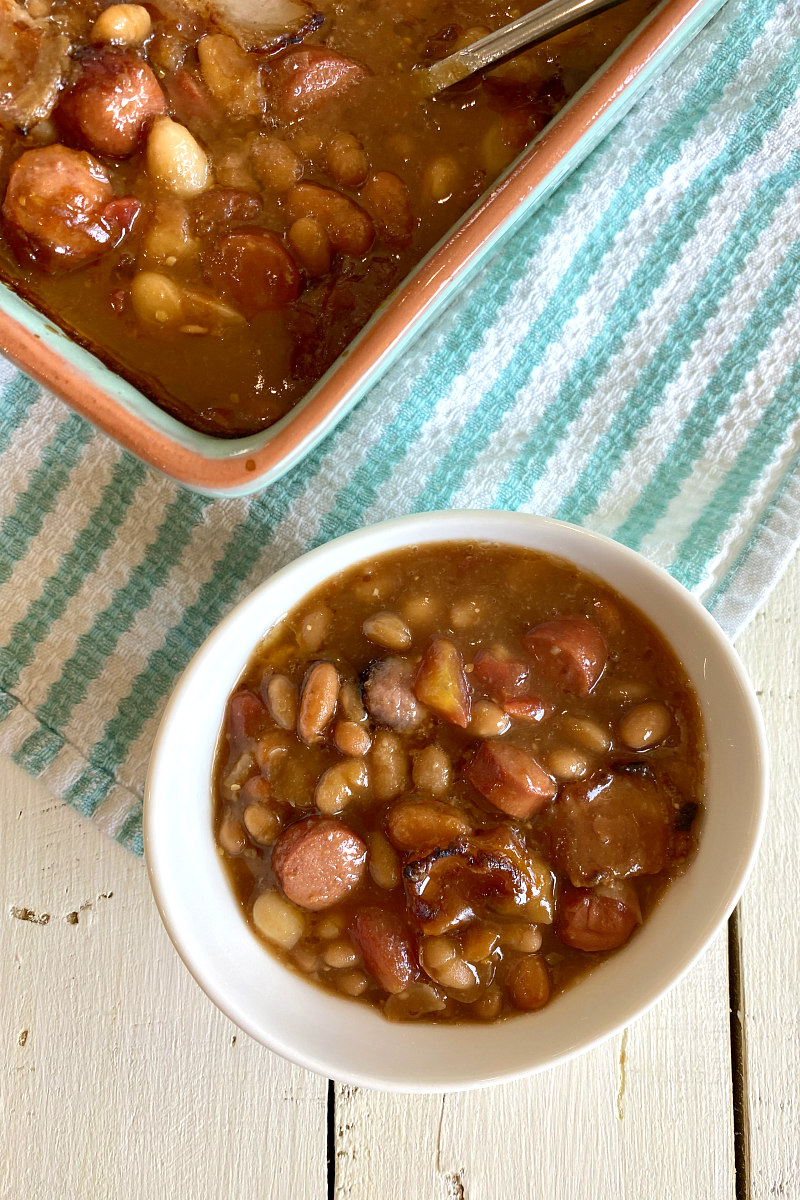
(351, 1042)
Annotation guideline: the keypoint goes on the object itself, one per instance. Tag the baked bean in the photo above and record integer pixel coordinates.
(441, 178)
(352, 983)
(263, 824)
(331, 927)
(108, 107)
(281, 697)
(589, 734)
(156, 298)
(479, 942)
(311, 246)
(351, 738)
(347, 225)
(431, 770)
(566, 763)
(277, 920)
(386, 199)
(122, 25)
(237, 774)
(340, 954)
(270, 748)
(168, 239)
(317, 701)
(275, 163)
(420, 610)
(175, 159)
(464, 614)
(529, 983)
(488, 719)
(383, 862)
(388, 765)
(527, 938)
(417, 1000)
(440, 959)
(489, 1005)
(339, 784)
(350, 704)
(645, 725)
(347, 162)
(313, 627)
(388, 630)
(231, 836)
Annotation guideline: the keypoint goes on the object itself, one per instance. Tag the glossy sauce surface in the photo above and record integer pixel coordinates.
(224, 289)
(455, 779)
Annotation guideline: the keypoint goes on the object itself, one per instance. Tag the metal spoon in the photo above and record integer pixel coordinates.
(551, 18)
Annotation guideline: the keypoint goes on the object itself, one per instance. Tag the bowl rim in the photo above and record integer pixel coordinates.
(435, 527)
(238, 466)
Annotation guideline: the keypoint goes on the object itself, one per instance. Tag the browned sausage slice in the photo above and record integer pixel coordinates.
(253, 270)
(500, 678)
(310, 76)
(389, 694)
(596, 918)
(317, 861)
(109, 105)
(510, 779)
(387, 948)
(570, 651)
(614, 825)
(59, 208)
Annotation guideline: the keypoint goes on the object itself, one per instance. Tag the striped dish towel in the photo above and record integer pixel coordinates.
(629, 361)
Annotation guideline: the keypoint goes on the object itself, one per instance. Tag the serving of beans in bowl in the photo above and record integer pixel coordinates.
(456, 777)
(452, 798)
(214, 197)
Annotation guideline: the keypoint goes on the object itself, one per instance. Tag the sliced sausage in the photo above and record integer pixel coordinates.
(304, 79)
(251, 268)
(389, 694)
(510, 779)
(246, 713)
(59, 209)
(387, 948)
(597, 919)
(317, 861)
(500, 678)
(348, 227)
(569, 651)
(441, 682)
(616, 824)
(109, 105)
(224, 206)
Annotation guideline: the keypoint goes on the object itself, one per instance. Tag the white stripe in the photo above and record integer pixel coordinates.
(114, 811)
(58, 530)
(17, 727)
(127, 550)
(26, 446)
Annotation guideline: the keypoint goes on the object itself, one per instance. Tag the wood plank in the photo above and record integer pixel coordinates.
(120, 1079)
(770, 944)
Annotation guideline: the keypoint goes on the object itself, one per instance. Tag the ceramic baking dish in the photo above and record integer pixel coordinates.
(224, 466)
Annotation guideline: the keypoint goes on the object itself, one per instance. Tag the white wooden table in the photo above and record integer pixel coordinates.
(120, 1080)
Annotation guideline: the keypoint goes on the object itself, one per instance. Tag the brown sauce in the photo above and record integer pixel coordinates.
(455, 779)
(231, 343)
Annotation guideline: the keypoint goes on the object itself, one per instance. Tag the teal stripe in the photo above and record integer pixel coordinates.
(38, 751)
(688, 327)
(703, 539)
(45, 485)
(680, 460)
(90, 790)
(723, 588)
(16, 400)
(130, 834)
(7, 705)
(74, 567)
(95, 646)
(151, 685)
(480, 426)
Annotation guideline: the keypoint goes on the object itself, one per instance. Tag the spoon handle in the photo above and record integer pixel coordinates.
(532, 27)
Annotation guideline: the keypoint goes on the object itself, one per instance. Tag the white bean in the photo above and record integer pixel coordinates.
(278, 920)
(122, 25)
(175, 159)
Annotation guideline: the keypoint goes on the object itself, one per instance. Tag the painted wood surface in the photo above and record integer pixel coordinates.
(120, 1080)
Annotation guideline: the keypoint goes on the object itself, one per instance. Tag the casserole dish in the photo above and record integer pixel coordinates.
(236, 466)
